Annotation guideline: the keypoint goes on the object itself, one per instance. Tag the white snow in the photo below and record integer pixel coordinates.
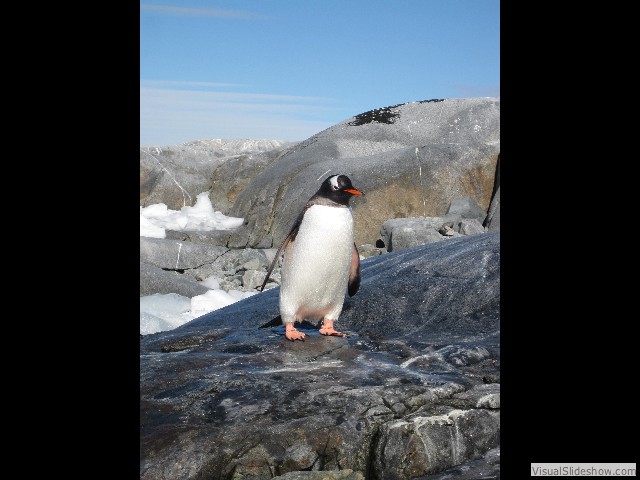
(156, 219)
(162, 312)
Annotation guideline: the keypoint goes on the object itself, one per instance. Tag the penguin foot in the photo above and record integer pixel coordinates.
(327, 329)
(292, 334)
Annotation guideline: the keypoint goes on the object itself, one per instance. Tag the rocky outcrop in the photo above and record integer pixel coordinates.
(412, 392)
(175, 175)
(154, 279)
(463, 217)
(178, 262)
(411, 160)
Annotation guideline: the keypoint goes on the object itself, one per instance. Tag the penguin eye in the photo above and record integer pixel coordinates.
(335, 187)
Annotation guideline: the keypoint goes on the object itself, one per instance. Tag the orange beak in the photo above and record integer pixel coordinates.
(353, 191)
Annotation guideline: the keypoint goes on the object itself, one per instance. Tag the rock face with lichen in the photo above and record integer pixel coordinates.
(175, 175)
(411, 160)
(412, 393)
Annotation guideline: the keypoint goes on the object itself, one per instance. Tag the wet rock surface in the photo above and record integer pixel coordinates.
(412, 392)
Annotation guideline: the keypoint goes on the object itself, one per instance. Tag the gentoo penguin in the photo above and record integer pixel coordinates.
(321, 260)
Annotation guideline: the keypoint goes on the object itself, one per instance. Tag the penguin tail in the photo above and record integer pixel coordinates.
(274, 322)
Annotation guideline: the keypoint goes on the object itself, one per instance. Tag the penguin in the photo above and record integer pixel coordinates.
(321, 260)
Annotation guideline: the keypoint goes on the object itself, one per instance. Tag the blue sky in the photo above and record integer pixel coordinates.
(288, 69)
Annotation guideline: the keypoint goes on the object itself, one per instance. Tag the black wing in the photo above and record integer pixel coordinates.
(354, 272)
(290, 237)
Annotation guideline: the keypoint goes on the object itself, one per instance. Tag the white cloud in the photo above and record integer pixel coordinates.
(173, 116)
(174, 83)
(148, 86)
(199, 12)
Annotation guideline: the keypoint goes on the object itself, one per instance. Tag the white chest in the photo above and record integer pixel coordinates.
(328, 229)
(316, 264)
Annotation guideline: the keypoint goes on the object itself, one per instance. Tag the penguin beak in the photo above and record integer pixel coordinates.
(353, 191)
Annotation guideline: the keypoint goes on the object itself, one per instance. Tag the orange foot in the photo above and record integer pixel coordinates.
(292, 334)
(327, 329)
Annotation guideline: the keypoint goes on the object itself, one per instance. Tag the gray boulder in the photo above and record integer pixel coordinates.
(175, 175)
(212, 237)
(251, 279)
(368, 250)
(467, 208)
(464, 217)
(410, 160)
(399, 233)
(154, 279)
(420, 445)
(176, 266)
(469, 226)
(413, 390)
(230, 263)
(178, 255)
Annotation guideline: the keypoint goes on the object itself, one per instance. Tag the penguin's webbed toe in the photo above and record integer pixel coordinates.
(327, 329)
(292, 334)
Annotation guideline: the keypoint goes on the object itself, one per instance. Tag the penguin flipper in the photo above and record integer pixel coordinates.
(285, 242)
(354, 272)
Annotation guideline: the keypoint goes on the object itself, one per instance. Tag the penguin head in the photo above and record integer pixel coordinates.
(339, 189)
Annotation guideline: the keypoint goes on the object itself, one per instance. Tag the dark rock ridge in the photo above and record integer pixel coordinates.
(413, 392)
(382, 115)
